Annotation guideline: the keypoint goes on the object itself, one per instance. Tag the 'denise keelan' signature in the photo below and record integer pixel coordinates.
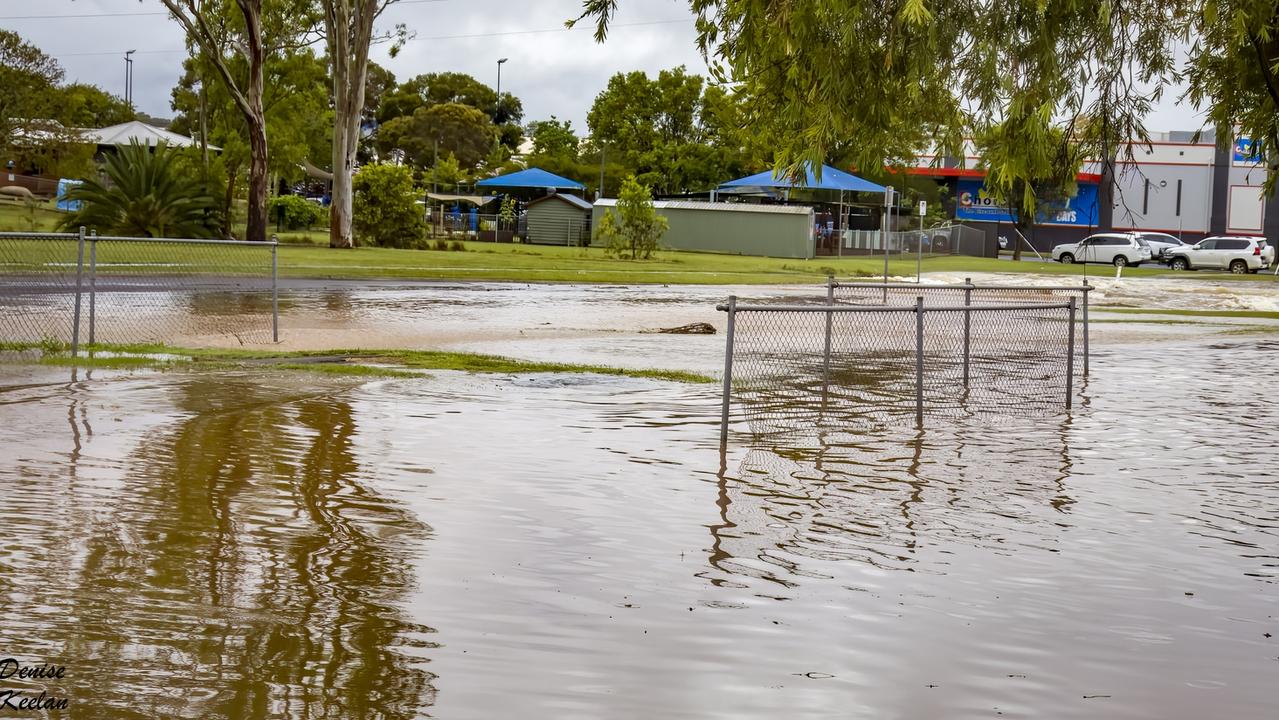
(14, 700)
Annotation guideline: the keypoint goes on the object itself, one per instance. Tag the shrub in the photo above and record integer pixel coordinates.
(440, 245)
(385, 206)
(147, 194)
(457, 246)
(632, 232)
(296, 213)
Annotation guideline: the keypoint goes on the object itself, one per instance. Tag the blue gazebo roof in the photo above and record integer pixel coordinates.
(531, 178)
(832, 179)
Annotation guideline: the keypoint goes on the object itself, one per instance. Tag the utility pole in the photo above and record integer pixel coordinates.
(883, 233)
(919, 249)
(599, 191)
(498, 110)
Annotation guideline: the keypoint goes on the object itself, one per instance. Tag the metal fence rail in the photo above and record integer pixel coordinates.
(82, 288)
(796, 366)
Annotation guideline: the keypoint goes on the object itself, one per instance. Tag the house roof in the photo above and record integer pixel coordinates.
(140, 132)
(532, 178)
(573, 200)
(718, 206)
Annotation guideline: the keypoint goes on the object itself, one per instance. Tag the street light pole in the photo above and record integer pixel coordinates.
(128, 77)
(499, 86)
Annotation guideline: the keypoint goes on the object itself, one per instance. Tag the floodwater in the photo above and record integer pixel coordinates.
(234, 545)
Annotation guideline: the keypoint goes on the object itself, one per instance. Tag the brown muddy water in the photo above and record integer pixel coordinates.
(234, 545)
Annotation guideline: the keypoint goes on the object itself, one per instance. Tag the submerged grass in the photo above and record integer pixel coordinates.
(357, 362)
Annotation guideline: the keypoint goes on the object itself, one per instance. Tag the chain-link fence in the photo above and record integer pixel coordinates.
(864, 293)
(799, 366)
(936, 241)
(75, 288)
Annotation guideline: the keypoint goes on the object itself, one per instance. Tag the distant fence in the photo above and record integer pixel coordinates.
(951, 351)
(79, 288)
(941, 240)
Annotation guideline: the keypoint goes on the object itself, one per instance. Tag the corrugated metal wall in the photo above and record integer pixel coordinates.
(786, 234)
(552, 222)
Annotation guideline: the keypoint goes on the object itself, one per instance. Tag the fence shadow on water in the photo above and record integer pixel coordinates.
(81, 289)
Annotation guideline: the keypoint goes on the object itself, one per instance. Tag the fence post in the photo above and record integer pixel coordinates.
(1070, 354)
(1087, 292)
(968, 324)
(275, 294)
(79, 276)
(93, 287)
(830, 316)
(728, 367)
(919, 360)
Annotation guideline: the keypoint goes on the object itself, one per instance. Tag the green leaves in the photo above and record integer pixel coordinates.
(148, 194)
(385, 206)
(632, 231)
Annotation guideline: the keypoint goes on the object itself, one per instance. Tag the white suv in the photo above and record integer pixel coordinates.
(1118, 249)
(1238, 254)
(1161, 243)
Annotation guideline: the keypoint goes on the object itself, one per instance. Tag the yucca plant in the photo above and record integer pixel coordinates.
(146, 194)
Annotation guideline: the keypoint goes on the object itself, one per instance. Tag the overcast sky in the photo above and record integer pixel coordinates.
(554, 71)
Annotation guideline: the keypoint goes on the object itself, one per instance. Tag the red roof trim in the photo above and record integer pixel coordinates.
(972, 173)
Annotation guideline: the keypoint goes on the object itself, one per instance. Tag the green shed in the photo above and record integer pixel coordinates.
(738, 228)
(559, 220)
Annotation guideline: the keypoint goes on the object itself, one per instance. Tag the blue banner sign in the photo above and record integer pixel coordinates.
(976, 204)
(1246, 151)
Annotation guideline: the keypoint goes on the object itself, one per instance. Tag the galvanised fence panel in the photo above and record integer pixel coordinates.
(794, 367)
(968, 293)
(80, 289)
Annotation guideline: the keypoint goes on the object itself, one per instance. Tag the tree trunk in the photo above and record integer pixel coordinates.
(341, 197)
(255, 120)
(257, 225)
(349, 32)
(231, 174)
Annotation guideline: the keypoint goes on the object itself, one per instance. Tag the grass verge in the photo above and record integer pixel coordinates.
(366, 363)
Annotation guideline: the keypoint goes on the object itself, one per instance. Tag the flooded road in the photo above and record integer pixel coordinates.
(235, 545)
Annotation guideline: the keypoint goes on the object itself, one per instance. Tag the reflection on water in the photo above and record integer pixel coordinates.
(883, 501)
(231, 546)
(232, 564)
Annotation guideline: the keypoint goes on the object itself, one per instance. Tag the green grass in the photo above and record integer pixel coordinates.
(337, 362)
(535, 263)
(305, 254)
(17, 217)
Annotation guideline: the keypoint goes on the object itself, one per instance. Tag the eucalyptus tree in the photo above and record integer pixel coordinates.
(348, 34)
(236, 37)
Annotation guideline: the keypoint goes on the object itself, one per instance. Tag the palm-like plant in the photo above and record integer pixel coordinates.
(146, 194)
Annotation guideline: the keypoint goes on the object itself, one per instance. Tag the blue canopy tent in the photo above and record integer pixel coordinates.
(832, 180)
(531, 178)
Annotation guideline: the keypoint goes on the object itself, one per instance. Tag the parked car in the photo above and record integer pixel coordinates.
(1118, 249)
(1238, 254)
(1160, 243)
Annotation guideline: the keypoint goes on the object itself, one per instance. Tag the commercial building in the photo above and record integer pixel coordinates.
(1176, 184)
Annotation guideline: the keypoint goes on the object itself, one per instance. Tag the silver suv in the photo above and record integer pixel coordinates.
(1160, 243)
(1118, 249)
(1236, 253)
